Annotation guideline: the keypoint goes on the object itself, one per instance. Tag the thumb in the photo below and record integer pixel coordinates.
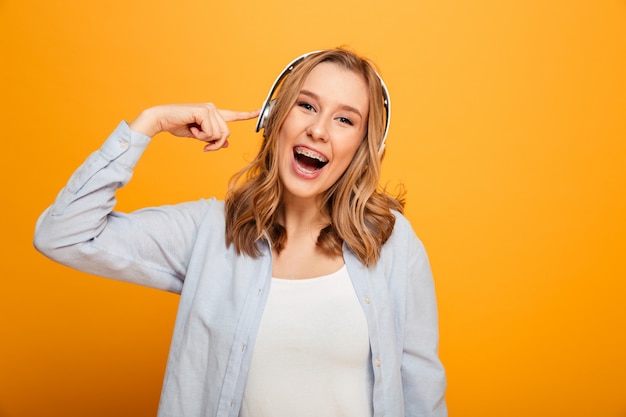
(234, 116)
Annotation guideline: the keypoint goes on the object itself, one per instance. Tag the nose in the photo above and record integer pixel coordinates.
(318, 129)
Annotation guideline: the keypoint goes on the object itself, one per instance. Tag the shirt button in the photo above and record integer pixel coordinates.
(377, 363)
(367, 300)
(123, 144)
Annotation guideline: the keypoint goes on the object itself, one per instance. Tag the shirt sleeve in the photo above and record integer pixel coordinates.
(80, 229)
(423, 375)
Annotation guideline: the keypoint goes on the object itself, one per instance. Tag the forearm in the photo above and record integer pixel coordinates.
(81, 208)
(81, 230)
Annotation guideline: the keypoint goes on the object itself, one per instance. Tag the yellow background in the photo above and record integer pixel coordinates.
(508, 130)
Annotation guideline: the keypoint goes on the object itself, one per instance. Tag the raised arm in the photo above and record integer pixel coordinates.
(148, 247)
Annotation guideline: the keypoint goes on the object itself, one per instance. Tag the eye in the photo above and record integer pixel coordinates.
(346, 121)
(306, 106)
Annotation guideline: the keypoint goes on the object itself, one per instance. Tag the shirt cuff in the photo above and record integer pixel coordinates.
(125, 145)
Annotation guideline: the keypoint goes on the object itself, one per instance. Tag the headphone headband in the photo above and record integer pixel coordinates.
(268, 103)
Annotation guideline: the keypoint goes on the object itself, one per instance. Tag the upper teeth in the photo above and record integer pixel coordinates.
(311, 154)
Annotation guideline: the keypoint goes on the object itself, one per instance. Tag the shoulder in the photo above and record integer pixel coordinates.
(402, 228)
(213, 209)
(403, 238)
(202, 205)
(206, 211)
(401, 221)
(214, 205)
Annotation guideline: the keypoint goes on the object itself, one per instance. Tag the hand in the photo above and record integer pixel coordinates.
(204, 122)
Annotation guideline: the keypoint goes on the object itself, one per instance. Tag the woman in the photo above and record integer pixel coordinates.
(304, 293)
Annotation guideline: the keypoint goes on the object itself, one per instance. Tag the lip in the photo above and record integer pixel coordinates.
(302, 173)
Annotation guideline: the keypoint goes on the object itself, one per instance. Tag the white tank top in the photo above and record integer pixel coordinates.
(312, 356)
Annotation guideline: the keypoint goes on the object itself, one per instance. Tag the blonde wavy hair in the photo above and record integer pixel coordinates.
(359, 211)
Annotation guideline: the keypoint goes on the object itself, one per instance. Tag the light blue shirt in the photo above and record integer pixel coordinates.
(181, 248)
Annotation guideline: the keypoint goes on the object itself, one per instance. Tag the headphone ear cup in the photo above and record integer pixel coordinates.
(264, 116)
(269, 103)
(270, 106)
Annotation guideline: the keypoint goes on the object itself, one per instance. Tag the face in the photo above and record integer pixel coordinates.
(322, 131)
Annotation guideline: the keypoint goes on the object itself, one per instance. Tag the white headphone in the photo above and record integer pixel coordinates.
(269, 102)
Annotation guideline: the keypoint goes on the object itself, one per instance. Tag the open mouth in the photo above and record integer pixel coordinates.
(308, 160)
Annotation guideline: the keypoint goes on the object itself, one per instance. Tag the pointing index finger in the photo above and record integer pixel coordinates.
(233, 116)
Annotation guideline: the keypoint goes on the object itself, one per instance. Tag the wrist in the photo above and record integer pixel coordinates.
(146, 123)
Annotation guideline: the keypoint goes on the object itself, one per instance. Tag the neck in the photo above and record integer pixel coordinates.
(303, 217)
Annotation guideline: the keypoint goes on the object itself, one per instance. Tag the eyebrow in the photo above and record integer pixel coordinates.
(343, 106)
